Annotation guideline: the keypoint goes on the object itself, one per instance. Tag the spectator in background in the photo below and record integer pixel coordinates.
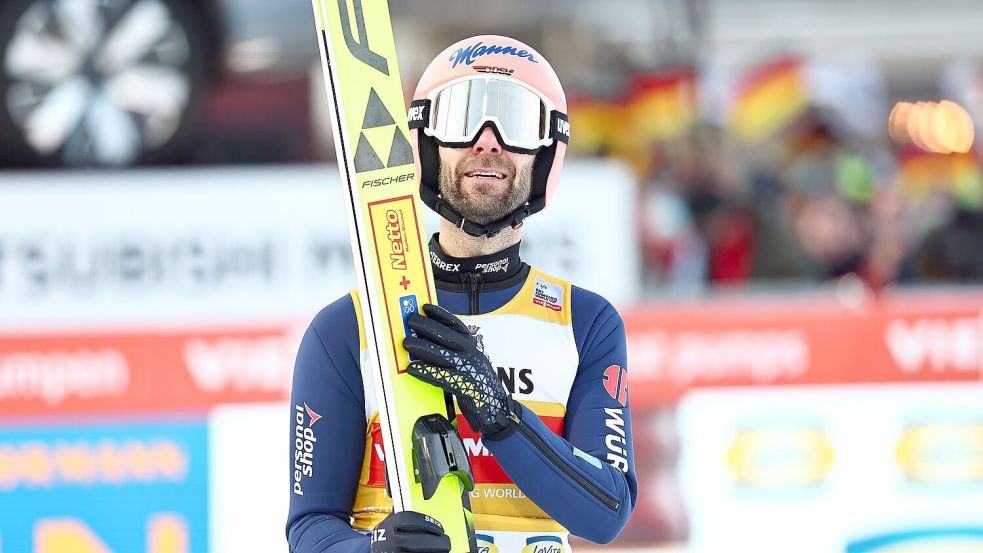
(954, 251)
(702, 227)
(743, 243)
(887, 228)
(811, 203)
(674, 252)
(846, 219)
(829, 231)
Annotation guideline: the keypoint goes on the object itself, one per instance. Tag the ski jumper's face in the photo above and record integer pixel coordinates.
(485, 182)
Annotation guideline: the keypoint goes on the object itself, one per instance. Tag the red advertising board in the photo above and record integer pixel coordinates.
(72, 373)
(671, 348)
(770, 341)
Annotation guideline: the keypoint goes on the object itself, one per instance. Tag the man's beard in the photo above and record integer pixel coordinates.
(485, 209)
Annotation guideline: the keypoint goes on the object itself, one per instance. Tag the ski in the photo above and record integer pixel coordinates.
(427, 467)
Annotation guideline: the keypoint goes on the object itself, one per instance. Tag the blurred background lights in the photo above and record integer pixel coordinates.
(938, 127)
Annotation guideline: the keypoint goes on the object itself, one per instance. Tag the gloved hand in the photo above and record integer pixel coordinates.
(411, 532)
(448, 357)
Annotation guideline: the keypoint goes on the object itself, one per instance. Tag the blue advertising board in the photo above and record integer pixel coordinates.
(136, 487)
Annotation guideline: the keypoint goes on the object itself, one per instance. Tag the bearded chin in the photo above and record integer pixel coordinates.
(486, 209)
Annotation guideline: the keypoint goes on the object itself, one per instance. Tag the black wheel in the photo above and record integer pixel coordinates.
(99, 82)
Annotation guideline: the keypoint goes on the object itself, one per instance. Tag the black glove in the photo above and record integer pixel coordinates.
(410, 531)
(448, 356)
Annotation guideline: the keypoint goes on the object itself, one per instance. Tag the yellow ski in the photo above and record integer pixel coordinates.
(389, 243)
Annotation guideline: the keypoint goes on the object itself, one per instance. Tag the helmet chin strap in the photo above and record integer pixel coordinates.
(514, 219)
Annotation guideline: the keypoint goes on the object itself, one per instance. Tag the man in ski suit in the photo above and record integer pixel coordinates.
(537, 366)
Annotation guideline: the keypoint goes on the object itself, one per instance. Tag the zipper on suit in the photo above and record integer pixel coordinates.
(473, 289)
(593, 489)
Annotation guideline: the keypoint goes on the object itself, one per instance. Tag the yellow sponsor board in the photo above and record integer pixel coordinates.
(780, 457)
(941, 452)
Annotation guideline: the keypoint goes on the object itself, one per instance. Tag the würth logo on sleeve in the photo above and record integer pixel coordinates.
(616, 383)
(616, 439)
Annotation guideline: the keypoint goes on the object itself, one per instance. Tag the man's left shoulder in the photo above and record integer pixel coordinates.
(597, 326)
(587, 300)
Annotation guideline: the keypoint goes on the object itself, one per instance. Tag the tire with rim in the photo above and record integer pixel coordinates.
(99, 82)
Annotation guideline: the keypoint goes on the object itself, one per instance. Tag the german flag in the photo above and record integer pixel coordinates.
(924, 172)
(662, 105)
(594, 123)
(770, 97)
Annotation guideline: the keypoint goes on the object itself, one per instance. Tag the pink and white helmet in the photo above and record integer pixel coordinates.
(490, 81)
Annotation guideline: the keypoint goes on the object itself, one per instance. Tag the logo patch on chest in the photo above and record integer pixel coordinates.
(547, 294)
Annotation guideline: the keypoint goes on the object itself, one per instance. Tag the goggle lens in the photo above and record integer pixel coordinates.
(459, 111)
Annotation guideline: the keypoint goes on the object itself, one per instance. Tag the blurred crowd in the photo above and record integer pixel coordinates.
(809, 205)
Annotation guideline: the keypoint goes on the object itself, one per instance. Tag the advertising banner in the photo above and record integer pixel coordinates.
(133, 486)
(190, 369)
(244, 245)
(828, 469)
(910, 337)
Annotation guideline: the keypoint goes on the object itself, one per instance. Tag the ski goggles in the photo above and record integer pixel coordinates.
(455, 114)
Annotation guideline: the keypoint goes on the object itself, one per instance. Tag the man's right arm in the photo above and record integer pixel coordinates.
(327, 434)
